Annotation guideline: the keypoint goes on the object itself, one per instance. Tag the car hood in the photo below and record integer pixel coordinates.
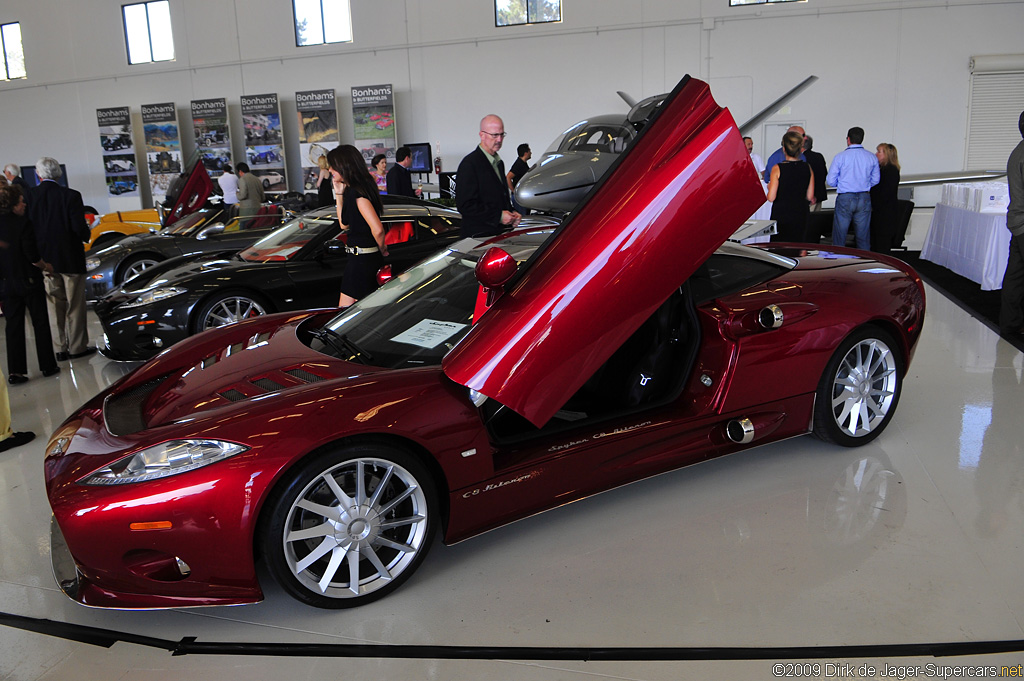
(187, 271)
(214, 371)
(681, 189)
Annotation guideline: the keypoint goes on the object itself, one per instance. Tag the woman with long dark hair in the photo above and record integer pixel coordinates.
(359, 211)
(791, 189)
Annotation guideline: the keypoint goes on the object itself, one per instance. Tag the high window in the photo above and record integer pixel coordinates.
(318, 22)
(520, 12)
(734, 3)
(147, 32)
(13, 54)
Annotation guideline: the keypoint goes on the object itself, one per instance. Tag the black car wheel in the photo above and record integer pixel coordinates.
(136, 265)
(350, 525)
(859, 391)
(228, 308)
(266, 183)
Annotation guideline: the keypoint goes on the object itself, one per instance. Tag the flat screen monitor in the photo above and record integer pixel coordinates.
(422, 161)
(28, 173)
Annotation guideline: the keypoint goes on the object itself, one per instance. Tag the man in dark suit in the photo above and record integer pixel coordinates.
(820, 170)
(13, 174)
(58, 216)
(481, 190)
(399, 177)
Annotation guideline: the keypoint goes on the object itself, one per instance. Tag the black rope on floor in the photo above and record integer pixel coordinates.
(191, 646)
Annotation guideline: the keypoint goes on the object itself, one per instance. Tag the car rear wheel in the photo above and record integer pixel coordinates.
(350, 525)
(135, 266)
(859, 391)
(229, 308)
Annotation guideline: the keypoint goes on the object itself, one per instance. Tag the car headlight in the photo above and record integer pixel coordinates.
(163, 460)
(154, 295)
(92, 263)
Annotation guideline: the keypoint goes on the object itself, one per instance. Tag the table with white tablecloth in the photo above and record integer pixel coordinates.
(974, 245)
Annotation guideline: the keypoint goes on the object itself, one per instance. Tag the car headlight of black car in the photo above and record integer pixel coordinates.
(153, 295)
(163, 460)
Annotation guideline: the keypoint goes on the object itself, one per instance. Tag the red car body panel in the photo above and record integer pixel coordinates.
(684, 187)
(259, 383)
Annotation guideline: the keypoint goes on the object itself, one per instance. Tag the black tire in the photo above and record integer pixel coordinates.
(316, 516)
(229, 307)
(135, 265)
(266, 183)
(860, 388)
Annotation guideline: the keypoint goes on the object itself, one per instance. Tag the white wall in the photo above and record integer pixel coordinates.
(898, 68)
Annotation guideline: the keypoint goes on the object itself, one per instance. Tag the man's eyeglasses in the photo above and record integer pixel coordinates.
(499, 135)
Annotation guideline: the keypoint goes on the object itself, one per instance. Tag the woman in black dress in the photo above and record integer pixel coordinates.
(884, 209)
(22, 268)
(359, 211)
(791, 189)
(324, 190)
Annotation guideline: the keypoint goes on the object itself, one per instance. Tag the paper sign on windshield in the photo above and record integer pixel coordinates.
(429, 333)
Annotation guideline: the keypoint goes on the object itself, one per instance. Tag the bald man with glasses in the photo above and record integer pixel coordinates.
(481, 190)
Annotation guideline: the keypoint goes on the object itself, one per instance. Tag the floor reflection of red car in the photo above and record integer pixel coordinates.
(493, 380)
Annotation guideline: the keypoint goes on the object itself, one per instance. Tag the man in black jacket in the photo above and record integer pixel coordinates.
(481, 189)
(58, 216)
(399, 177)
(820, 170)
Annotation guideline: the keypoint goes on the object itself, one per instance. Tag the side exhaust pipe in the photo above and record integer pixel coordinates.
(747, 429)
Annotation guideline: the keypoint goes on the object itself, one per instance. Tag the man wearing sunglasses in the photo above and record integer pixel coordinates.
(481, 190)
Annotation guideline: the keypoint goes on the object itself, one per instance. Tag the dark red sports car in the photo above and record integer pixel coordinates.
(492, 381)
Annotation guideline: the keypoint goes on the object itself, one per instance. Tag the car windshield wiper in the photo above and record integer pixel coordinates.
(342, 344)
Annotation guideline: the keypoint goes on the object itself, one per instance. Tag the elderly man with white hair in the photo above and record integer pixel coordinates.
(58, 216)
(13, 174)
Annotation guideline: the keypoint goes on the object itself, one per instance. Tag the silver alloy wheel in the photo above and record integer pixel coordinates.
(863, 387)
(138, 267)
(230, 310)
(355, 527)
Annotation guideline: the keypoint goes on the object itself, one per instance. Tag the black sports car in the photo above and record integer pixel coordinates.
(213, 229)
(299, 266)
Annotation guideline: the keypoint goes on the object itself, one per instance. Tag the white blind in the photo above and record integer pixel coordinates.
(997, 100)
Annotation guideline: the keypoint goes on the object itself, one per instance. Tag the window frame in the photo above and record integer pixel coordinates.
(528, 21)
(6, 73)
(323, 25)
(149, 32)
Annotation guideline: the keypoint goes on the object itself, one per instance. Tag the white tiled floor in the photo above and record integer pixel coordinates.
(915, 538)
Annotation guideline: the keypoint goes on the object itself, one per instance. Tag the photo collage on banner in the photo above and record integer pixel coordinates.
(264, 147)
(163, 146)
(210, 122)
(119, 168)
(373, 117)
(318, 131)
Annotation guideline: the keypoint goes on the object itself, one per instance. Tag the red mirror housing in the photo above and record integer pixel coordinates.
(384, 275)
(495, 269)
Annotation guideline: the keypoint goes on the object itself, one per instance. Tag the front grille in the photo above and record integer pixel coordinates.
(123, 413)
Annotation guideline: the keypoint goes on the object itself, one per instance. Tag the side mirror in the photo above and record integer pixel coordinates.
(495, 268)
(334, 247)
(210, 230)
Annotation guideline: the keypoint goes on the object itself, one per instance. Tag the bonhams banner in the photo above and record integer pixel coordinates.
(210, 123)
(163, 146)
(264, 148)
(318, 131)
(119, 155)
(373, 116)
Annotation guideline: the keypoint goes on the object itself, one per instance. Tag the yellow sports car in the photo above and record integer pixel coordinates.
(106, 229)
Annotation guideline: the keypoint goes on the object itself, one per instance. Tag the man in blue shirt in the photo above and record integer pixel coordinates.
(778, 156)
(853, 173)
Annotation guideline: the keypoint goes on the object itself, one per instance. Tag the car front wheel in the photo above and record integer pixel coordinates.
(859, 391)
(137, 265)
(229, 308)
(350, 525)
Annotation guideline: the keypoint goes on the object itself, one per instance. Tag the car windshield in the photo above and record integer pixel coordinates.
(607, 137)
(190, 223)
(284, 243)
(417, 317)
